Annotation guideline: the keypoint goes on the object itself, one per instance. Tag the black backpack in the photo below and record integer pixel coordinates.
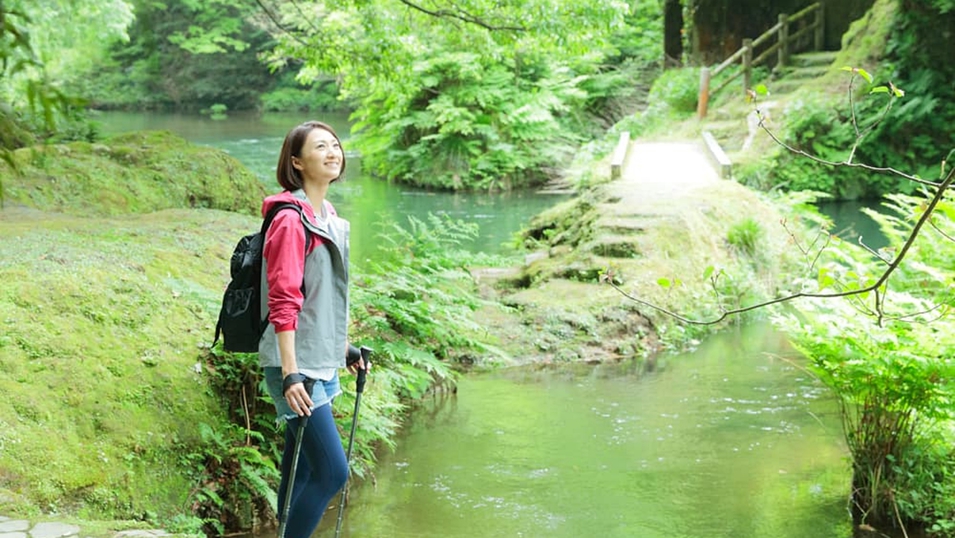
(241, 323)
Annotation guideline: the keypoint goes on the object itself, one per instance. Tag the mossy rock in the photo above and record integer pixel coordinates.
(137, 172)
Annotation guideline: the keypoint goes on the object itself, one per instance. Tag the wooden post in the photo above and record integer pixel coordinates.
(747, 64)
(821, 26)
(703, 98)
(783, 40)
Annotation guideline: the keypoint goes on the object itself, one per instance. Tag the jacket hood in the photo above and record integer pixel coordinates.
(288, 197)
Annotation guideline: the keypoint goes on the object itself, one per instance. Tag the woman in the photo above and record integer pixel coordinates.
(305, 272)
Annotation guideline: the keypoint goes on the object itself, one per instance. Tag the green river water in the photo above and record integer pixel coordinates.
(733, 439)
(369, 204)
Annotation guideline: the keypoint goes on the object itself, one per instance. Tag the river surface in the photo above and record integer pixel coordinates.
(733, 439)
(371, 205)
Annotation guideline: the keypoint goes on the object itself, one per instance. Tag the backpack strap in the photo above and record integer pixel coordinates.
(269, 217)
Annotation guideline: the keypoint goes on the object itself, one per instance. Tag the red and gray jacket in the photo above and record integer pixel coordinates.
(305, 291)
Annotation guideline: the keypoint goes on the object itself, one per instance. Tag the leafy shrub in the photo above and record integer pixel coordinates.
(891, 370)
(291, 96)
(744, 236)
(678, 88)
(468, 122)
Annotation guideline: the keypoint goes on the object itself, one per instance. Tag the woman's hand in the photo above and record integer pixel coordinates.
(295, 394)
(355, 359)
(360, 364)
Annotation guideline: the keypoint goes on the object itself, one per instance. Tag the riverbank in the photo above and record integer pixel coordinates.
(46, 528)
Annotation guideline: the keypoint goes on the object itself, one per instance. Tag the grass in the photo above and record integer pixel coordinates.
(109, 285)
(98, 358)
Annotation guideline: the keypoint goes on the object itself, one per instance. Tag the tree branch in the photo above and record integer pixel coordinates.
(462, 15)
(834, 163)
(272, 17)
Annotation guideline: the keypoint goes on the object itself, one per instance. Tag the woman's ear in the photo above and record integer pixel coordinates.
(296, 164)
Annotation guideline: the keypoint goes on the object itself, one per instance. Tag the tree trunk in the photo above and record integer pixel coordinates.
(672, 33)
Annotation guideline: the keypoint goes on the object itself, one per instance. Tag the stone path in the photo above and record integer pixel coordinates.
(22, 528)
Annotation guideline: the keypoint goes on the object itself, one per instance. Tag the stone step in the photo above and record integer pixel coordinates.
(819, 58)
(808, 72)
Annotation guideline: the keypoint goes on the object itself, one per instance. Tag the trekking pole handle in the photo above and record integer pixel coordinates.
(365, 356)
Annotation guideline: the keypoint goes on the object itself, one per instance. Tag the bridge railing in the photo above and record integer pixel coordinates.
(778, 40)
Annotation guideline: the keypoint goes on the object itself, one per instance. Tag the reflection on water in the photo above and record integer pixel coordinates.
(852, 225)
(733, 440)
(369, 204)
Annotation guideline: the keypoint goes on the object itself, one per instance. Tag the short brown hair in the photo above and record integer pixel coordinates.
(287, 175)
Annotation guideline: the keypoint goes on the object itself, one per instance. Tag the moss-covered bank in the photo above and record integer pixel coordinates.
(108, 288)
(137, 172)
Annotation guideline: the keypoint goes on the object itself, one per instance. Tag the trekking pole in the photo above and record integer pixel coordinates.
(359, 387)
(303, 420)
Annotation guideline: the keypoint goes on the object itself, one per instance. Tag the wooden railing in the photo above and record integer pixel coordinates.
(742, 62)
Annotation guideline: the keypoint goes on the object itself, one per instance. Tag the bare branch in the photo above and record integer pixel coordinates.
(462, 15)
(272, 17)
(870, 168)
(875, 253)
(940, 232)
(806, 251)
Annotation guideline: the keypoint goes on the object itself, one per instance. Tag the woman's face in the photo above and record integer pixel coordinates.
(320, 158)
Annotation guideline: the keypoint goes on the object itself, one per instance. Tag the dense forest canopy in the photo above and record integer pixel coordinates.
(476, 94)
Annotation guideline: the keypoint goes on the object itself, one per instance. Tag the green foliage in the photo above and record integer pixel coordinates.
(744, 236)
(677, 89)
(470, 124)
(236, 480)
(172, 61)
(926, 482)
(824, 129)
(322, 96)
(892, 372)
(894, 384)
(473, 95)
(914, 134)
(422, 293)
(672, 97)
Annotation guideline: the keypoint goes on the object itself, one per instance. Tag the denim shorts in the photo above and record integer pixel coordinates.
(322, 392)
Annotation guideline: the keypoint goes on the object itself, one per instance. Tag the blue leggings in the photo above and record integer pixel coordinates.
(322, 471)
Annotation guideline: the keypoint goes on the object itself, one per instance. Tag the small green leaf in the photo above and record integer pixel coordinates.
(761, 89)
(708, 272)
(864, 74)
(663, 282)
(879, 89)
